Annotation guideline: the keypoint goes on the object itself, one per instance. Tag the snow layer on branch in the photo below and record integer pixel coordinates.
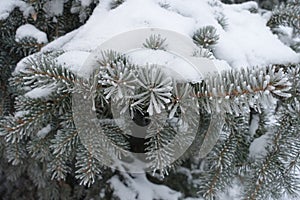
(60, 42)
(73, 59)
(24, 62)
(40, 92)
(247, 41)
(28, 30)
(6, 6)
(44, 131)
(258, 146)
(142, 189)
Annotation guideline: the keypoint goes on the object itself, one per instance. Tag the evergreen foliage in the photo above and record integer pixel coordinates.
(222, 20)
(206, 37)
(230, 93)
(155, 42)
(46, 155)
(221, 165)
(15, 183)
(286, 15)
(203, 53)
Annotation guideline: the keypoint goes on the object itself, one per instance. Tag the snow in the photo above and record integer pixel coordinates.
(23, 63)
(85, 2)
(234, 192)
(140, 188)
(178, 67)
(135, 184)
(74, 60)
(20, 114)
(44, 131)
(258, 146)
(6, 6)
(251, 43)
(40, 92)
(59, 42)
(254, 124)
(221, 64)
(246, 42)
(251, 5)
(28, 30)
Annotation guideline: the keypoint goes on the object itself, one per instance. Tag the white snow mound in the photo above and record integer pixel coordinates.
(245, 42)
(28, 30)
(6, 6)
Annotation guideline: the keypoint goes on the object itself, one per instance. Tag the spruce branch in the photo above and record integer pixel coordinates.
(235, 91)
(169, 138)
(112, 58)
(287, 14)
(155, 42)
(155, 89)
(117, 79)
(15, 172)
(159, 150)
(206, 37)
(58, 167)
(16, 153)
(103, 136)
(222, 20)
(65, 141)
(39, 174)
(42, 71)
(88, 169)
(115, 136)
(271, 171)
(220, 165)
(294, 75)
(38, 148)
(182, 100)
(31, 179)
(23, 47)
(16, 128)
(203, 53)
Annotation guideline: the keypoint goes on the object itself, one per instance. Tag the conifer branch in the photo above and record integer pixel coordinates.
(155, 42)
(87, 165)
(15, 128)
(155, 89)
(206, 37)
(64, 141)
(16, 153)
(42, 71)
(159, 150)
(58, 167)
(287, 14)
(39, 149)
(270, 172)
(235, 91)
(221, 163)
